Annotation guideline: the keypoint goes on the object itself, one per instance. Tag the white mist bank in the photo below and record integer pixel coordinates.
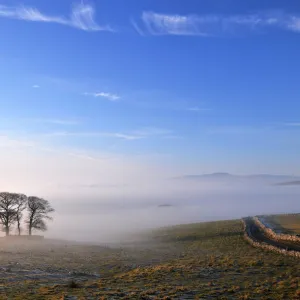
(98, 222)
(101, 198)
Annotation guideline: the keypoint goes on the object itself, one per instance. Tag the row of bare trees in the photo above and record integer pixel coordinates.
(13, 206)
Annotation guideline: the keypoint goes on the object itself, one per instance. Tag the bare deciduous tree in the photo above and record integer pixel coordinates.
(21, 201)
(38, 211)
(7, 210)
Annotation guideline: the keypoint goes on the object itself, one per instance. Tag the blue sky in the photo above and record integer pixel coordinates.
(202, 86)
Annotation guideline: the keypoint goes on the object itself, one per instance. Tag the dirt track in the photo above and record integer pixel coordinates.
(258, 235)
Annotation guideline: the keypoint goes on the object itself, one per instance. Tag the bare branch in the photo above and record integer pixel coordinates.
(8, 212)
(38, 211)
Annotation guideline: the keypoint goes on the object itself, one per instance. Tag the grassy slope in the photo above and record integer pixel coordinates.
(289, 223)
(198, 261)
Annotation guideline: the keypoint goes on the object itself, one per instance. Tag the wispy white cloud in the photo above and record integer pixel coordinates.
(148, 132)
(122, 136)
(9, 142)
(294, 124)
(161, 24)
(56, 121)
(294, 24)
(239, 130)
(137, 27)
(109, 96)
(127, 137)
(197, 109)
(152, 131)
(82, 16)
(36, 86)
(213, 25)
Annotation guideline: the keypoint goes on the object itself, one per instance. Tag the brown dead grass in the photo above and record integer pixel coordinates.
(197, 261)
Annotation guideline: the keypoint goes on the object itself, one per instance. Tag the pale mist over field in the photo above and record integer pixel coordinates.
(102, 198)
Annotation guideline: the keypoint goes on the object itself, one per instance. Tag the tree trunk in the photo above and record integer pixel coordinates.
(30, 229)
(7, 231)
(19, 229)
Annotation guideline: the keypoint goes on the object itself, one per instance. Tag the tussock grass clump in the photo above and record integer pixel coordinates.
(72, 284)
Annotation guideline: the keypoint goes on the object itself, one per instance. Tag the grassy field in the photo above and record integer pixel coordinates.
(286, 223)
(197, 261)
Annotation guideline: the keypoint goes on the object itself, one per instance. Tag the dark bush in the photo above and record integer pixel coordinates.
(72, 284)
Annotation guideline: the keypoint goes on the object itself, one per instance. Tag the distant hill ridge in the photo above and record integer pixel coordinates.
(275, 179)
(289, 183)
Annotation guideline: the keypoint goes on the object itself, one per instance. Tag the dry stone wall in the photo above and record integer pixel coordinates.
(276, 236)
(268, 247)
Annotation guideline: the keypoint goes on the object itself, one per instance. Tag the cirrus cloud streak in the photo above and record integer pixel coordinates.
(157, 24)
(82, 16)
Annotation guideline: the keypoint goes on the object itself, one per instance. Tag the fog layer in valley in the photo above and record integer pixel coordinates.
(109, 222)
(103, 198)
